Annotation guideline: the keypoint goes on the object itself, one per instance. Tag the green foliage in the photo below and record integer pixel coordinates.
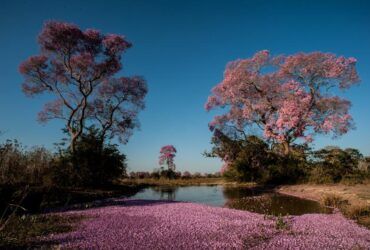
(168, 174)
(250, 158)
(332, 165)
(280, 223)
(285, 170)
(253, 160)
(93, 163)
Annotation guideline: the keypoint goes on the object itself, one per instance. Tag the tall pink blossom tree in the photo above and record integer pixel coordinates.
(167, 155)
(117, 105)
(77, 68)
(286, 97)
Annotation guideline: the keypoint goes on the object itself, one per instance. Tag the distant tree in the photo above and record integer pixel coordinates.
(178, 175)
(156, 174)
(133, 175)
(287, 97)
(186, 175)
(142, 175)
(197, 175)
(167, 155)
(217, 174)
(77, 67)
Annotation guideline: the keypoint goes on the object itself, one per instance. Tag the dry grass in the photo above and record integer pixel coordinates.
(358, 211)
(333, 200)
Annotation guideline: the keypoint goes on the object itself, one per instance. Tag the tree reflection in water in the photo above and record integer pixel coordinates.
(166, 193)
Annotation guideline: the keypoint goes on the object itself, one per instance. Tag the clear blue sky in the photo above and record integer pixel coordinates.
(181, 48)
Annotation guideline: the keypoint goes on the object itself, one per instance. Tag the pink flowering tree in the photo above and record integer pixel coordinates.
(286, 97)
(117, 105)
(167, 155)
(77, 68)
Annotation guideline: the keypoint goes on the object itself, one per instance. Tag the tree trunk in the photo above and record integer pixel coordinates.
(73, 143)
(286, 147)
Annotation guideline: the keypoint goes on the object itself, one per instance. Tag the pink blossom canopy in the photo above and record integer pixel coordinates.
(287, 97)
(78, 67)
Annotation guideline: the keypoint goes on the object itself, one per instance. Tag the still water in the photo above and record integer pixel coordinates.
(266, 202)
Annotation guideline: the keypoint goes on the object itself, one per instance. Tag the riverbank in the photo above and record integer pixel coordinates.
(143, 224)
(19, 228)
(352, 200)
(183, 182)
(96, 204)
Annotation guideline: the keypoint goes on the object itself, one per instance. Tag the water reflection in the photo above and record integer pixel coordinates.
(166, 193)
(255, 200)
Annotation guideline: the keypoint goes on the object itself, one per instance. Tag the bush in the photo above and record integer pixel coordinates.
(318, 175)
(333, 200)
(155, 174)
(250, 158)
(19, 165)
(93, 163)
(332, 165)
(168, 174)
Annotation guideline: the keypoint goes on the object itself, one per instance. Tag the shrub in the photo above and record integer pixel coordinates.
(280, 223)
(357, 177)
(285, 170)
(318, 175)
(19, 165)
(334, 200)
(254, 160)
(155, 174)
(142, 175)
(168, 174)
(333, 164)
(93, 163)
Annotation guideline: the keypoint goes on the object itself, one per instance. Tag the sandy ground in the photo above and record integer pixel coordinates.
(355, 195)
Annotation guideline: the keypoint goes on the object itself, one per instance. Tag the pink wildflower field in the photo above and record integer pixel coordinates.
(145, 224)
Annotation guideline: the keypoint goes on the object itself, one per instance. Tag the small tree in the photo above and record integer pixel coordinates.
(166, 157)
(287, 97)
(77, 67)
